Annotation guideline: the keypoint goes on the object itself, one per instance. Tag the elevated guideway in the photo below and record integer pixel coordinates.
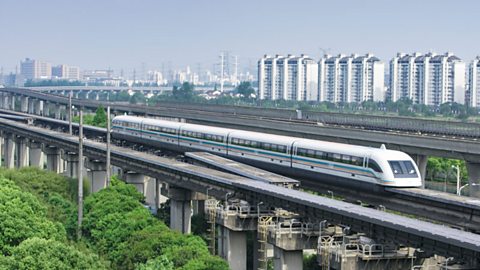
(381, 226)
(421, 203)
(243, 169)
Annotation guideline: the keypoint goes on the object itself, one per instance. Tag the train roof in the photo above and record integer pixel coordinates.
(162, 123)
(350, 149)
(263, 137)
(207, 129)
(129, 118)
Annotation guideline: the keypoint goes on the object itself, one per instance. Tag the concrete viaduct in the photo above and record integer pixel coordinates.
(419, 146)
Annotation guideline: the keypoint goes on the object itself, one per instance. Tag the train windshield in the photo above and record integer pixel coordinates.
(403, 169)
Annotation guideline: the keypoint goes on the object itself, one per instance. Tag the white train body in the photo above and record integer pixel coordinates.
(357, 163)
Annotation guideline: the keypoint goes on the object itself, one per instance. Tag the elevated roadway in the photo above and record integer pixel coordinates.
(381, 226)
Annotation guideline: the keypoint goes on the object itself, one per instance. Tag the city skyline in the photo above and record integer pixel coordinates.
(121, 35)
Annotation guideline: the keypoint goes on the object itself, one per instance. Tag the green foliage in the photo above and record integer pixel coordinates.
(185, 92)
(310, 262)
(444, 169)
(137, 98)
(122, 96)
(118, 226)
(54, 191)
(22, 216)
(100, 118)
(36, 253)
(159, 263)
(245, 89)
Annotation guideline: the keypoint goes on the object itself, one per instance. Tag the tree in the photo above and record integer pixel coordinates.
(245, 89)
(159, 263)
(137, 98)
(100, 118)
(185, 92)
(37, 253)
(22, 216)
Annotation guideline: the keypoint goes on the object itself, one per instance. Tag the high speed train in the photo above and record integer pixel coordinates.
(351, 164)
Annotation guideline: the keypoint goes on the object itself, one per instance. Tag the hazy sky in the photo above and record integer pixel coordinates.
(125, 34)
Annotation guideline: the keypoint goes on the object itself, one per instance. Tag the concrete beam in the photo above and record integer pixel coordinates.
(97, 173)
(287, 260)
(35, 155)
(473, 169)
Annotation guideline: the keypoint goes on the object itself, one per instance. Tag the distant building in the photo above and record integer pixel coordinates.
(474, 83)
(288, 78)
(351, 78)
(428, 79)
(66, 72)
(35, 70)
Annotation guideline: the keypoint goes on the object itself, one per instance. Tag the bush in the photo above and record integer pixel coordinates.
(37, 253)
(22, 217)
(118, 226)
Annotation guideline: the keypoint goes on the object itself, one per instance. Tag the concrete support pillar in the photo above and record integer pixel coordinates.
(9, 151)
(159, 198)
(54, 162)
(35, 154)
(144, 185)
(24, 104)
(180, 209)
(12, 102)
(46, 109)
(97, 173)
(287, 260)
(232, 247)
(198, 207)
(72, 164)
(22, 152)
(473, 169)
(57, 111)
(31, 106)
(2, 100)
(421, 161)
(37, 107)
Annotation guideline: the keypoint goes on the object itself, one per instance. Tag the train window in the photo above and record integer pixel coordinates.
(267, 146)
(282, 149)
(409, 166)
(311, 153)
(346, 159)
(357, 161)
(319, 154)
(373, 165)
(403, 169)
(337, 157)
(302, 152)
(253, 144)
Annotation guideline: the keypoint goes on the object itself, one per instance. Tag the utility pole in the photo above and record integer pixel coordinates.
(108, 147)
(70, 131)
(222, 67)
(80, 175)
